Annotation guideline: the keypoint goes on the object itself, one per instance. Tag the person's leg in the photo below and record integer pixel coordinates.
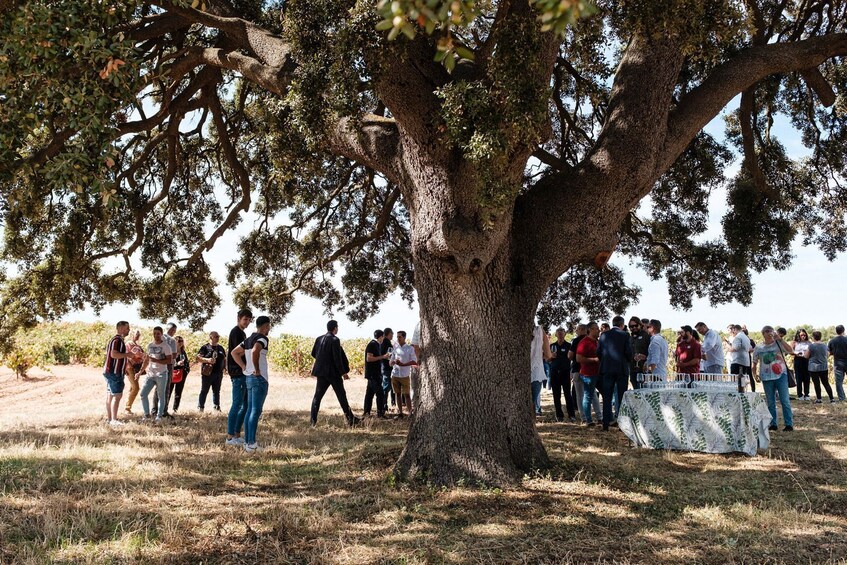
(398, 393)
(816, 380)
(623, 383)
(177, 393)
(249, 429)
(369, 397)
(535, 387)
(171, 388)
(216, 390)
(782, 387)
(205, 385)
(770, 397)
(321, 387)
(839, 379)
(588, 384)
(825, 383)
(149, 383)
(607, 383)
(380, 398)
(556, 376)
(633, 379)
(239, 388)
(578, 389)
(564, 378)
(116, 402)
(341, 394)
(406, 387)
(162, 387)
(132, 376)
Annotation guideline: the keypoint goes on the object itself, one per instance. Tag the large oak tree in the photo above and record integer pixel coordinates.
(486, 157)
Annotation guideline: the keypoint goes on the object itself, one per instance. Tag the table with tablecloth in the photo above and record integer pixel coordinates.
(695, 420)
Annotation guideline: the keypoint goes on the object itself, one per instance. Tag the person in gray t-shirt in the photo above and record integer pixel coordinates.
(818, 368)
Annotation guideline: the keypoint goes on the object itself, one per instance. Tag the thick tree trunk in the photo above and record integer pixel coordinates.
(473, 415)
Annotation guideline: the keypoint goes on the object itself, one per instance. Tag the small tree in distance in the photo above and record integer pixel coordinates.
(487, 159)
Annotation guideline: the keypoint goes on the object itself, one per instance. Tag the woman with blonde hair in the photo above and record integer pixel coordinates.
(135, 357)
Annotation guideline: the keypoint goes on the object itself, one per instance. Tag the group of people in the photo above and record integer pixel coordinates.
(164, 364)
(611, 360)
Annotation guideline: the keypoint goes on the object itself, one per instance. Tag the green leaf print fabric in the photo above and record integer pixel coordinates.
(692, 420)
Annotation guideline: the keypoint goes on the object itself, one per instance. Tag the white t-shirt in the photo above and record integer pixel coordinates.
(171, 343)
(536, 353)
(741, 345)
(248, 345)
(403, 353)
(156, 352)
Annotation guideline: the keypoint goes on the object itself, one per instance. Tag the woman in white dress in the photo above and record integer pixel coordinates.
(539, 351)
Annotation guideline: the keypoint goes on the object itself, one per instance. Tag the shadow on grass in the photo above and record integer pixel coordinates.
(176, 493)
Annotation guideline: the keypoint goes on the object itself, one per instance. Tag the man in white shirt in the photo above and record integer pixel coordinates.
(402, 359)
(711, 349)
(156, 360)
(657, 351)
(168, 338)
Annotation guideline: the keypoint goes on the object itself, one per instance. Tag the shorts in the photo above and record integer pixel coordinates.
(114, 383)
(403, 384)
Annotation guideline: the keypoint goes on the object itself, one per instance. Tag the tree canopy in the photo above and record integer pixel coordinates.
(141, 131)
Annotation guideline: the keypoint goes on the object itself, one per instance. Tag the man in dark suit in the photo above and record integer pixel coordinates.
(331, 368)
(615, 353)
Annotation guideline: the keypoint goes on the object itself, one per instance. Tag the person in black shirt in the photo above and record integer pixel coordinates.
(386, 347)
(838, 349)
(640, 340)
(373, 374)
(560, 376)
(238, 410)
(331, 368)
(211, 355)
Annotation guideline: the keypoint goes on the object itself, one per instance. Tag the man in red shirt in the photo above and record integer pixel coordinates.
(586, 356)
(688, 353)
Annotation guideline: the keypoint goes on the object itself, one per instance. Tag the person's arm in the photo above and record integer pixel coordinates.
(144, 364)
(371, 358)
(545, 347)
(652, 355)
(201, 359)
(237, 355)
(114, 354)
(580, 358)
(256, 353)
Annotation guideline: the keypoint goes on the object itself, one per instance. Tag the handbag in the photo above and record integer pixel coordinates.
(792, 380)
(206, 369)
(177, 375)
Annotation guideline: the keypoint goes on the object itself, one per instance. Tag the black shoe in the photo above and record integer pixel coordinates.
(788, 429)
(591, 424)
(614, 424)
(354, 422)
(605, 428)
(773, 428)
(218, 408)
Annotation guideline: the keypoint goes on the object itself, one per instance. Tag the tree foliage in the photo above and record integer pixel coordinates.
(135, 134)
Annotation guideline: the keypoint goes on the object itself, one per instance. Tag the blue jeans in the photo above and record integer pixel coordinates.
(536, 396)
(588, 386)
(257, 391)
(840, 367)
(161, 384)
(238, 410)
(779, 385)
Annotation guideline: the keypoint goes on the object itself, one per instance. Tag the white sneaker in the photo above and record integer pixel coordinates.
(116, 423)
(158, 420)
(252, 447)
(235, 441)
(806, 397)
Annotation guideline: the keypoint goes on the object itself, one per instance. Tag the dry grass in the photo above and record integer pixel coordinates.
(72, 490)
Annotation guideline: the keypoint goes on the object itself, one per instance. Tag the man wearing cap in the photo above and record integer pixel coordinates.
(688, 352)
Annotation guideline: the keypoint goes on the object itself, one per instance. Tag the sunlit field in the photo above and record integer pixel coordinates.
(75, 490)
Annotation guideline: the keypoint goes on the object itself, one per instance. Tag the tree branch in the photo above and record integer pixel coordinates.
(269, 48)
(702, 104)
(372, 141)
(274, 79)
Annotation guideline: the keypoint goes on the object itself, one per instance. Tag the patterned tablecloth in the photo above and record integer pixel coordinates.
(695, 420)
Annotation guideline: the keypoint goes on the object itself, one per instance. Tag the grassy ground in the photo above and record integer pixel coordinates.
(76, 491)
